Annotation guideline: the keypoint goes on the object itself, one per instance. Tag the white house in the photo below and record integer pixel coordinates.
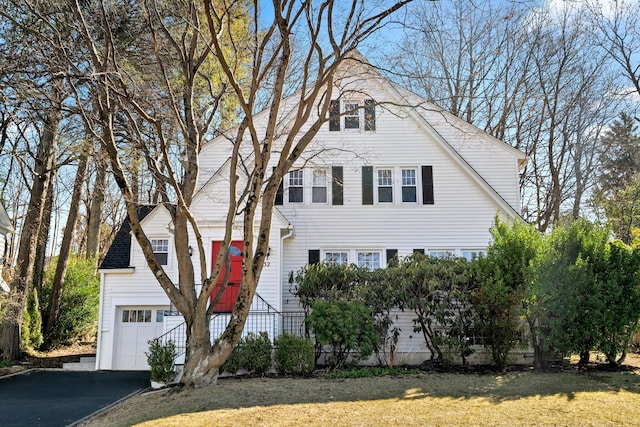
(5, 229)
(392, 177)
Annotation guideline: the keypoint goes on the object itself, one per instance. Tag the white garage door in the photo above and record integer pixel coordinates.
(135, 327)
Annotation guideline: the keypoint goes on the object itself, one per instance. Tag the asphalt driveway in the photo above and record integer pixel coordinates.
(60, 398)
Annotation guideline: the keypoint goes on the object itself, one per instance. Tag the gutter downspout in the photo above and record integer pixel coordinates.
(290, 234)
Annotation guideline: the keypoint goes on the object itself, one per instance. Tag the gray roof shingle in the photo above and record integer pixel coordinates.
(119, 252)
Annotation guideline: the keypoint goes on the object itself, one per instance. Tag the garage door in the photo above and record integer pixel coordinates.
(135, 327)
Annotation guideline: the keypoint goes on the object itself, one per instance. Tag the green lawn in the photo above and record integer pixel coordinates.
(517, 398)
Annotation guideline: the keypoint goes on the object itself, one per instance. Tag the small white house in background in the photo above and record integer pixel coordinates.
(394, 176)
(5, 229)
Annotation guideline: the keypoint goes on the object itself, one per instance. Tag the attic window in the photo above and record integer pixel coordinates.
(357, 115)
(352, 116)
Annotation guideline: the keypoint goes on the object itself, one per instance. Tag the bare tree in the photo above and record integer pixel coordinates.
(530, 76)
(618, 26)
(167, 123)
(53, 308)
(41, 177)
(96, 207)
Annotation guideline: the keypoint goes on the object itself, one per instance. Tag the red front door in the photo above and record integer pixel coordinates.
(228, 300)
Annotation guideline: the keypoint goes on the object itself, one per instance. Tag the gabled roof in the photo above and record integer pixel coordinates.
(119, 253)
(282, 221)
(422, 117)
(422, 113)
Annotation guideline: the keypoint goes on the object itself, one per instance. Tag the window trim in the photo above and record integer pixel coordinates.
(154, 247)
(369, 251)
(378, 186)
(336, 251)
(351, 110)
(325, 186)
(289, 186)
(414, 186)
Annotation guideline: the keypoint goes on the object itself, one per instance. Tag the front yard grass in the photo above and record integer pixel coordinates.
(517, 398)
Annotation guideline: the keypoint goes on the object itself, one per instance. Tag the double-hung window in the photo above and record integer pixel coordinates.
(385, 186)
(336, 258)
(296, 188)
(369, 260)
(161, 250)
(352, 115)
(319, 188)
(409, 186)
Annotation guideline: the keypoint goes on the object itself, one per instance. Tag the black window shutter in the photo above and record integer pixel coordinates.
(336, 186)
(392, 257)
(334, 115)
(279, 194)
(427, 185)
(367, 185)
(418, 251)
(314, 256)
(369, 115)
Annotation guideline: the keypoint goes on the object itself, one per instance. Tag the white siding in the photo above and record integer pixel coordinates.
(3, 239)
(459, 219)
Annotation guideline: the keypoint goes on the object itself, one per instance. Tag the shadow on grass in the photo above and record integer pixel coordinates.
(236, 393)
(443, 388)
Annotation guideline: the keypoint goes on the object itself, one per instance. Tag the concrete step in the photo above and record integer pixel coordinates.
(85, 364)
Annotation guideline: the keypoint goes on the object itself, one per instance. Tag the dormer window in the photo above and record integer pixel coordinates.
(351, 114)
(161, 250)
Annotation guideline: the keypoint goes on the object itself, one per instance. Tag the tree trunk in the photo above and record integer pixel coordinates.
(20, 284)
(203, 360)
(97, 205)
(201, 363)
(584, 358)
(40, 261)
(539, 353)
(65, 250)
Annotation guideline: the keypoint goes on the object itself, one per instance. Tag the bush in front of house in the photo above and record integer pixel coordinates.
(256, 350)
(294, 355)
(347, 327)
(252, 353)
(234, 362)
(161, 358)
